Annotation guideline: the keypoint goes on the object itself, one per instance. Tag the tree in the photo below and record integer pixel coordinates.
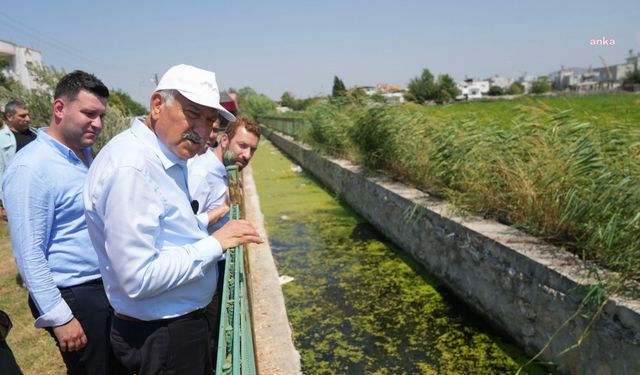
(540, 86)
(495, 91)
(422, 88)
(253, 104)
(288, 100)
(446, 88)
(126, 105)
(4, 80)
(338, 88)
(632, 77)
(515, 88)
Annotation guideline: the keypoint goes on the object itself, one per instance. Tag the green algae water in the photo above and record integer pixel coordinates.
(357, 304)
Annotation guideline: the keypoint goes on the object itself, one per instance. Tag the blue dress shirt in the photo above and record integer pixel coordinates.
(43, 197)
(208, 185)
(156, 260)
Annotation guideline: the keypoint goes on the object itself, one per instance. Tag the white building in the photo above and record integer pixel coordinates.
(612, 75)
(20, 58)
(500, 81)
(472, 89)
(392, 93)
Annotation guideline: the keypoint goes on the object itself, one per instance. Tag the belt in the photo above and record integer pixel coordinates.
(97, 281)
(192, 315)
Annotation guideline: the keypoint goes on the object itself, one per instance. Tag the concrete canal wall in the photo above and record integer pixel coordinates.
(526, 288)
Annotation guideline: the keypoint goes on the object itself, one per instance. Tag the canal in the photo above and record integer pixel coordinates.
(357, 303)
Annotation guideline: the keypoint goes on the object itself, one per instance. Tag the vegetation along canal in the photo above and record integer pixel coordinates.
(357, 303)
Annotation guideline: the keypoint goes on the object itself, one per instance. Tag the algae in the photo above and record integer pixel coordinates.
(358, 304)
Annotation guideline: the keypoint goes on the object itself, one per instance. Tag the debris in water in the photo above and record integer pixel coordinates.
(285, 279)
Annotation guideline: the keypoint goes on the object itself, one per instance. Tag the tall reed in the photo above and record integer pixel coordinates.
(555, 171)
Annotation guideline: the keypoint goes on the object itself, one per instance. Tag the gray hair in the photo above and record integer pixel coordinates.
(168, 96)
(12, 106)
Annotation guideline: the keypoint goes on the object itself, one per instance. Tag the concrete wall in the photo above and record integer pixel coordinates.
(526, 288)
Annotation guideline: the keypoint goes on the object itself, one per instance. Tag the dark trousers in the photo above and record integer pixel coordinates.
(213, 312)
(8, 364)
(172, 346)
(90, 306)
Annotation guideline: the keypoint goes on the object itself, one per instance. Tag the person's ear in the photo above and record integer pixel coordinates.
(224, 141)
(58, 108)
(155, 104)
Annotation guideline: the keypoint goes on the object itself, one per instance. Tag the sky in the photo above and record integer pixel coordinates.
(299, 46)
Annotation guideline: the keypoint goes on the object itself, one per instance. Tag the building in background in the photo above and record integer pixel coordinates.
(472, 89)
(20, 59)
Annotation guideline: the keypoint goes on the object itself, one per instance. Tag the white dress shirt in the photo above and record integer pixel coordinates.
(208, 185)
(156, 260)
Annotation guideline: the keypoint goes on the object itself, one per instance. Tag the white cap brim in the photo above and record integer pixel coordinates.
(207, 102)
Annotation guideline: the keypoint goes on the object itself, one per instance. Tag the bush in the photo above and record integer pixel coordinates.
(515, 88)
(252, 104)
(540, 86)
(632, 77)
(495, 91)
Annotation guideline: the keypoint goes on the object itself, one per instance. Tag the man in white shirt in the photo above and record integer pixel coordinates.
(157, 261)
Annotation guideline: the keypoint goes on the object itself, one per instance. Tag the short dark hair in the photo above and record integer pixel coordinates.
(249, 124)
(71, 84)
(12, 106)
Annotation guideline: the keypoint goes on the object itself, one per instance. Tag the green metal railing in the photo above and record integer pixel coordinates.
(293, 126)
(235, 341)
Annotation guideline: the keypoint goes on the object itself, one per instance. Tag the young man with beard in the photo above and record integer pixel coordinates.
(208, 186)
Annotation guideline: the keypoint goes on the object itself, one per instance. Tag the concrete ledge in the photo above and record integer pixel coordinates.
(523, 286)
(275, 352)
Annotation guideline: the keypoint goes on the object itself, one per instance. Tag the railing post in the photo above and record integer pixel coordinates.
(235, 341)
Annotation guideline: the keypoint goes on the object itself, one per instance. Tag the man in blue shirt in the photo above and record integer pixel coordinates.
(157, 261)
(43, 198)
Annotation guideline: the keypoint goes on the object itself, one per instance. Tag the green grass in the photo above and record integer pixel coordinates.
(564, 168)
(33, 348)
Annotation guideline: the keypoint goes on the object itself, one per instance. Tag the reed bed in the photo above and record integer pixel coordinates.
(566, 169)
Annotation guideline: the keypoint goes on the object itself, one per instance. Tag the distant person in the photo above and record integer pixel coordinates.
(158, 263)
(51, 244)
(14, 135)
(19, 121)
(208, 186)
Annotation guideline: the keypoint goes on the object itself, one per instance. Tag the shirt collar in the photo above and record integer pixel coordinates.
(167, 158)
(62, 149)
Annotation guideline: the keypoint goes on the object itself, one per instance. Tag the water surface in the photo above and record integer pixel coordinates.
(358, 304)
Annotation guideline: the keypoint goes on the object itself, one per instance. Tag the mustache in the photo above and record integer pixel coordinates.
(192, 136)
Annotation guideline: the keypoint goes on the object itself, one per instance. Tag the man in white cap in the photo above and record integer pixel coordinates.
(157, 262)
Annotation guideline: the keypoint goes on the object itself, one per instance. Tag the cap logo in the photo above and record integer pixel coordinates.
(208, 84)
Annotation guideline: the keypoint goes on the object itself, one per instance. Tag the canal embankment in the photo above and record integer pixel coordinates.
(528, 289)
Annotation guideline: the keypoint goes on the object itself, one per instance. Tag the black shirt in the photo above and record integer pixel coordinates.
(23, 138)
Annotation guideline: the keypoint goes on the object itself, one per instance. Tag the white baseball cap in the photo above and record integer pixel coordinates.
(197, 85)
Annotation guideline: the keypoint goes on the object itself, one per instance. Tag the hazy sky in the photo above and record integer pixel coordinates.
(299, 46)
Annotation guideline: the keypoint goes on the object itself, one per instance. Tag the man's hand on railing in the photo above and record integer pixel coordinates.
(237, 232)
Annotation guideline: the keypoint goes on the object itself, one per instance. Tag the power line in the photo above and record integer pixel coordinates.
(49, 41)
